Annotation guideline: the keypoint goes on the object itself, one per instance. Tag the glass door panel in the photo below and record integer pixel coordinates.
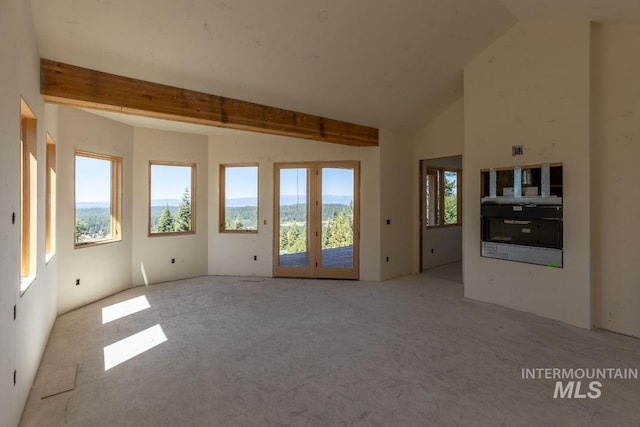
(293, 232)
(337, 218)
(338, 213)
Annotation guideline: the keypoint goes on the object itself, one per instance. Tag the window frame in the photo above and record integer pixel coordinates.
(28, 196)
(439, 173)
(116, 197)
(193, 198)
(222, 205)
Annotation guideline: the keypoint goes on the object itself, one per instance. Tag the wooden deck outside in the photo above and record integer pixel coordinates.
(331, 258)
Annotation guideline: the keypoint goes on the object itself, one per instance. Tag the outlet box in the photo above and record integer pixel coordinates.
(173, 260)
(77, 282)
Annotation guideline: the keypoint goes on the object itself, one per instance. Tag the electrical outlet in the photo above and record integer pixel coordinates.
(173, 260)
(432, 250)
(388, 222)
(387, 259)
(255, 257)
(77, 282)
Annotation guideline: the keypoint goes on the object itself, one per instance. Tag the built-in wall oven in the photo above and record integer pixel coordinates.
(521, 214)
(526, 233)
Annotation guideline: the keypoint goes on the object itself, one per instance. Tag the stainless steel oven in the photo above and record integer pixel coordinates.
(523, 232)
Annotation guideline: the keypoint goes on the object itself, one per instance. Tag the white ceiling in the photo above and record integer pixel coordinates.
(601, 11)
(385, 63)
(168, 125)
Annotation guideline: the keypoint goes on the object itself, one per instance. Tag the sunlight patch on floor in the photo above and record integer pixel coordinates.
(124, 308)
(130, 347)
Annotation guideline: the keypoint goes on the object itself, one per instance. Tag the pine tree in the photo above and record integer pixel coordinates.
(238, 224)
(341, 231)
(183, 216)
(284, 242)
(297, 239)
(165, 222)
(81, 230)
(326, 234)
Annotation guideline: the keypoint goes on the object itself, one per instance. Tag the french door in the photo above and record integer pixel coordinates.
(317, 220)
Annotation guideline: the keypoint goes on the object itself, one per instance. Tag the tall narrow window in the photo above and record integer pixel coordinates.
(98, 188)
(50, 208)
(28, 196)
(172, 198)
(442, 197)
(239, 198)
(451, 199)
(432, 197)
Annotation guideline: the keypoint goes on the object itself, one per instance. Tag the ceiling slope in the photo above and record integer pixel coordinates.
(385, 64)
(601, 11)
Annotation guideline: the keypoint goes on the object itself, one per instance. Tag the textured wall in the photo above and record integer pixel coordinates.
(615, 178)
(532, 87)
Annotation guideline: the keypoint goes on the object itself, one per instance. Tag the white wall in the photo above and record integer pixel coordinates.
(615, 178)
(532, 87)
(23, 340)
(446, 244)
(154, 254)
(442, 137)
(102, 269)
(396, 195)
(232, 254)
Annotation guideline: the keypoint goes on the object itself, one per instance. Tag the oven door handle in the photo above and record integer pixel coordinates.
(516, 222)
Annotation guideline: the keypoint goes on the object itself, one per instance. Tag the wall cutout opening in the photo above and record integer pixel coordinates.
(28, 196)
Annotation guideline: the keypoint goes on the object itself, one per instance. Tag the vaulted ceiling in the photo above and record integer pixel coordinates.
(387, 64)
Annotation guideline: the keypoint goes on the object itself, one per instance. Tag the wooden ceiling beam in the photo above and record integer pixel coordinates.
(81, 87)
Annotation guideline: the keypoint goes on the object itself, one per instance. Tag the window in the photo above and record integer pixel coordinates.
(239, 198)
(442, 197)
(50, 202)
(172, 205)
(97, 199)
(28, 196)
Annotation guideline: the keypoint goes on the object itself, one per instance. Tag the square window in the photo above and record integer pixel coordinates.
(97, 199)
(172, 204)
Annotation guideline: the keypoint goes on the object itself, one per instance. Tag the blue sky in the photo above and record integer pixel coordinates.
(241, 182)
(93, 180)
(335, 182)
(169, 182)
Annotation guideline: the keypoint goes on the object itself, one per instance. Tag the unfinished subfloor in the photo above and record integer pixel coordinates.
(260, 352)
